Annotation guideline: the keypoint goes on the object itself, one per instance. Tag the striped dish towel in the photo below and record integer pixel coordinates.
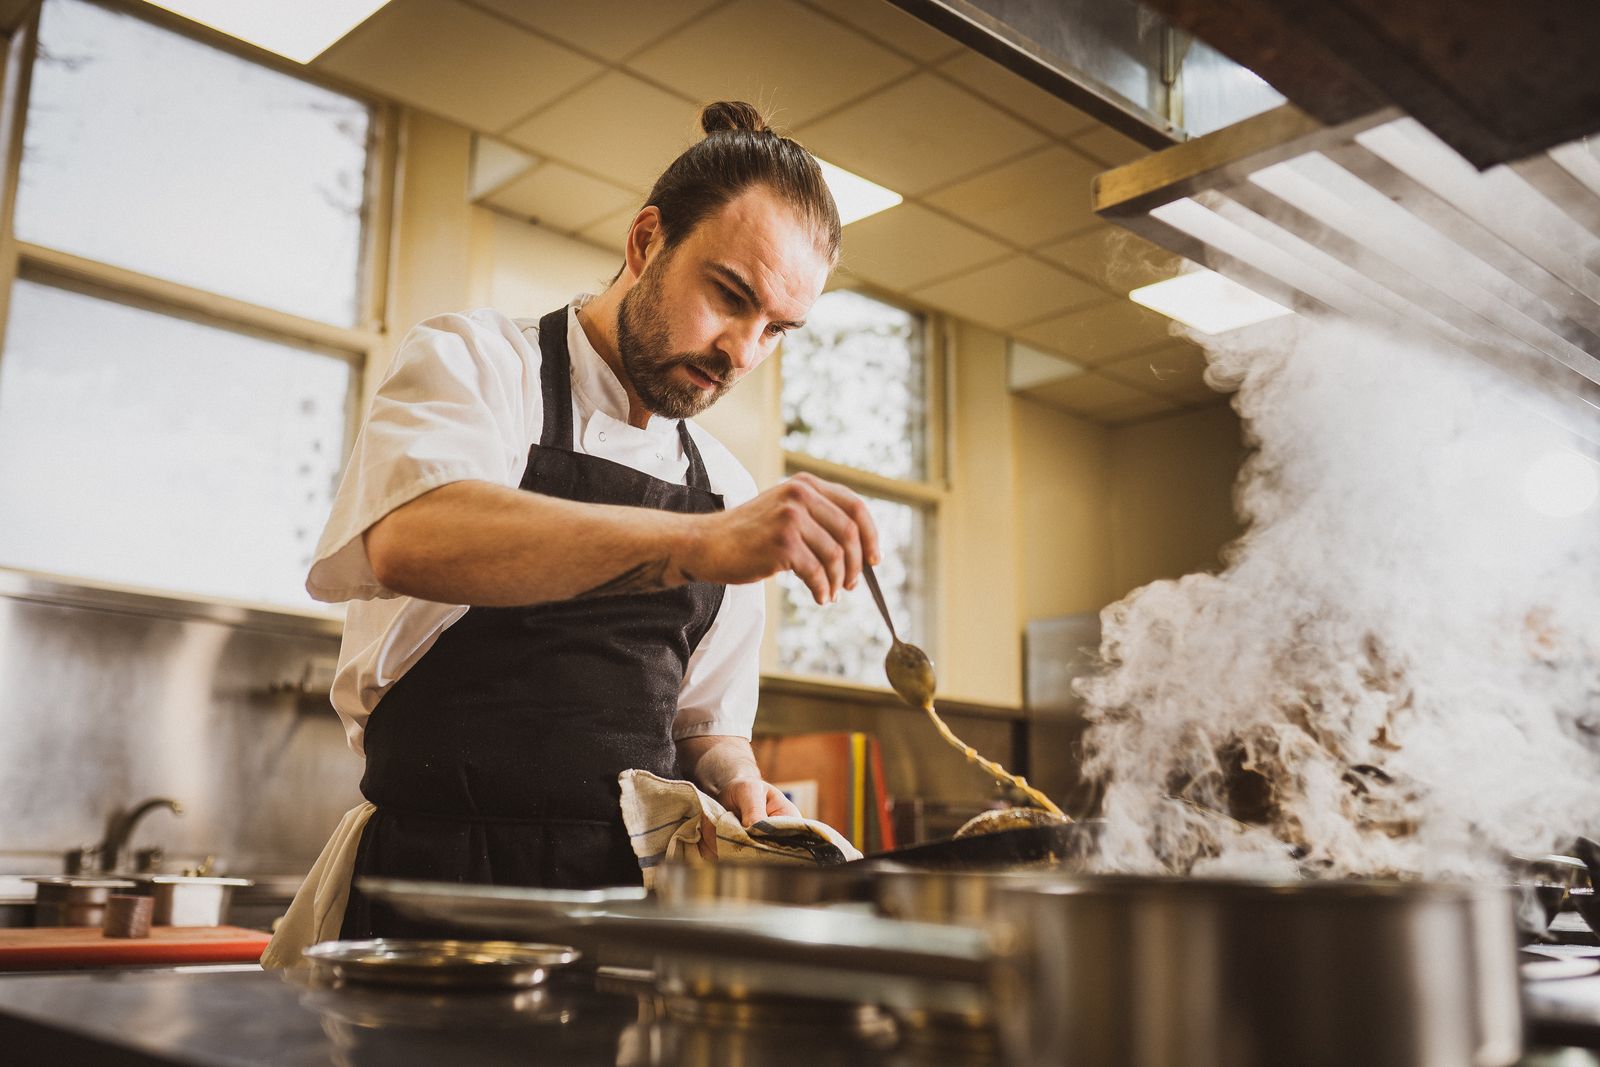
(673, 822)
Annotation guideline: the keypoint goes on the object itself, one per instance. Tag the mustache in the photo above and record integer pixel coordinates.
(716, 367)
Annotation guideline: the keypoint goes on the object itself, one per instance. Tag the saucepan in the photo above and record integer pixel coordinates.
(1169, 972)
(765, 883)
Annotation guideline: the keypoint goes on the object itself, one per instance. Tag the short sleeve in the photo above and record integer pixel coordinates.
(723, 681)
(457, 405)
(722, 684)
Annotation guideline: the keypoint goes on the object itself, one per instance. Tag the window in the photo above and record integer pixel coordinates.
(856, 409)
(183, 336)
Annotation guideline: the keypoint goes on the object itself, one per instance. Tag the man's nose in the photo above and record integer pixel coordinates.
(741, 343)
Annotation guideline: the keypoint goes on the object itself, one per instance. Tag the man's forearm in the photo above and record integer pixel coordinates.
(476, 543)
(713, 762)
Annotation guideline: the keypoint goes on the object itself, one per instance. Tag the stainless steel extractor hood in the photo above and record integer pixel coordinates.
(1378, 219)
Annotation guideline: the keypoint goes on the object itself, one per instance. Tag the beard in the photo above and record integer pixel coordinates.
(645, 350)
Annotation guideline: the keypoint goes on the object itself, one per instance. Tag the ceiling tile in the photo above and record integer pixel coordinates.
(495, 163)
(560, 198)
(786, 59)
(455, 61)
(919, 134)
(611, 29)
(909, 245)
(1139, 409)
(1119, 260)
(610, 232)
(1018, 95)
(1014, 290)
(617, 127)
(1027, 201)
(1100, 334)
(1175, 371)
(1087, 394)
(1109, 147)
(1027, 367)
(893, 27)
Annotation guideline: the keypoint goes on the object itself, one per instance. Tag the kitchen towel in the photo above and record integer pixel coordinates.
(317, 911)
(673, 822)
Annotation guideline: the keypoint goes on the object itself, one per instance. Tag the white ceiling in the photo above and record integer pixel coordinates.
(996, 227)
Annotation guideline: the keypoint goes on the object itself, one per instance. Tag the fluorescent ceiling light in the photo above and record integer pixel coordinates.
(1207, 301)
(300, 30)
(857, 198)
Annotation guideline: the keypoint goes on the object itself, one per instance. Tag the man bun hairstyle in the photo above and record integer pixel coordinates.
(732, 115)
(739, 151)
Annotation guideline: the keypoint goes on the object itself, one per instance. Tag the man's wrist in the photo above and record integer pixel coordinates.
(686, 544)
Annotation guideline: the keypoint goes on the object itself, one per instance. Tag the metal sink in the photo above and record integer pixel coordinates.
(253, 907)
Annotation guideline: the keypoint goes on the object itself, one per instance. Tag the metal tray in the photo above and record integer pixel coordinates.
(439, 964)
(820, 937)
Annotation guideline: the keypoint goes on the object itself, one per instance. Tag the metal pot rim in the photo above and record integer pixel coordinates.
(1248, 888)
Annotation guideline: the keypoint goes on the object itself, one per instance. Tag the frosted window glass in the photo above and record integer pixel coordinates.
(153, 152)
(854, 387)
(142, 449)
(847, 639)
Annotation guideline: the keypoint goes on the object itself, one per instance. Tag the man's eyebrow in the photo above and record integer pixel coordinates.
(737, 281)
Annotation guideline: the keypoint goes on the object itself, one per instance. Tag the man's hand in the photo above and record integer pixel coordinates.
(725, 767)
(752, 800)
(818, 529)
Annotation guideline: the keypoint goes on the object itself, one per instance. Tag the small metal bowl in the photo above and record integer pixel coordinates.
(439, 964)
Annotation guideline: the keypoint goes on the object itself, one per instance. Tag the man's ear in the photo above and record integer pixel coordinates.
(645, 237)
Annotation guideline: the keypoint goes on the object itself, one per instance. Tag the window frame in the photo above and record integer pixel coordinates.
(931, 493)
(357, 345)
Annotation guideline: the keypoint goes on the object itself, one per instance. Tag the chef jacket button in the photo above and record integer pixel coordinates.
(660, 456)
(602, 435)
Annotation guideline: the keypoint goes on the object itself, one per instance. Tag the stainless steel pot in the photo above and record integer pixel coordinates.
(761, 883)
(188, 900)
(66, 900)
(957, 898)
(1134, 972)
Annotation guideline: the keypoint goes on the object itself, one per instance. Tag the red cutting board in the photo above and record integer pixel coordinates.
(39, 948)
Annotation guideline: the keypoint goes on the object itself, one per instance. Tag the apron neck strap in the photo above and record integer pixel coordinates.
(555, 386)
(555, 381)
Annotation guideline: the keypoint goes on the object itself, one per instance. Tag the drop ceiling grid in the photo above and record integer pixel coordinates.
(1023, 128)
(695, 14)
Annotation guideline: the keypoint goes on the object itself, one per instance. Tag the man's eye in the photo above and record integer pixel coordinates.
(774, 330)
(729, 295)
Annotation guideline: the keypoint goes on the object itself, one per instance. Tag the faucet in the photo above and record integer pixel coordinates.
(119, 828)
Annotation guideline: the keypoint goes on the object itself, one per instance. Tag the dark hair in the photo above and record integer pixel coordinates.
(740, 150)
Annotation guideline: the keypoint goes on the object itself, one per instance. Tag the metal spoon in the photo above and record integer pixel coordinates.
(908, 667)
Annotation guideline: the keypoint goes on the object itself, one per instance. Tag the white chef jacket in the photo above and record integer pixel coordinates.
(462, 401)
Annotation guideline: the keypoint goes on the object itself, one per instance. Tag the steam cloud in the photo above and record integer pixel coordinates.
(1398, 670)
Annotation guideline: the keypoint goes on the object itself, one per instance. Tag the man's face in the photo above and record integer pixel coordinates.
(705, 313)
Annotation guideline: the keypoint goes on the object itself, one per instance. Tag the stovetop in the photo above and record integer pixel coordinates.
(246, 1018)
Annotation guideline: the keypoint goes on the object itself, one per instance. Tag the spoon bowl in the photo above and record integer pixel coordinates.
(910, 674)
(908, 667)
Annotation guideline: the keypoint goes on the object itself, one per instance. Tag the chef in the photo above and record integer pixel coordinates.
(554, 574)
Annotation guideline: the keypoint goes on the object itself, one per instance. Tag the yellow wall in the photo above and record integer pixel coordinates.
(533, 271)
(1063, 495)
(1172, 495)
(431, 256)
(978, 578)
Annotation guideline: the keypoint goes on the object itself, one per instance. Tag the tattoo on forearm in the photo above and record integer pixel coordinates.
(643, 578)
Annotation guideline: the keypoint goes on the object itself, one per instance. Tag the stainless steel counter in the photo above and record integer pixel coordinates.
(243, 1019)
(226, 1016)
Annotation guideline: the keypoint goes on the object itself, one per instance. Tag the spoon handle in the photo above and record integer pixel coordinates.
(877, 596)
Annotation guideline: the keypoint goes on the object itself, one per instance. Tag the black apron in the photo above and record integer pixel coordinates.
(494, 759)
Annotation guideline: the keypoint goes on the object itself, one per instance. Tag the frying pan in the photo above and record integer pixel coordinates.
(1025, 846)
